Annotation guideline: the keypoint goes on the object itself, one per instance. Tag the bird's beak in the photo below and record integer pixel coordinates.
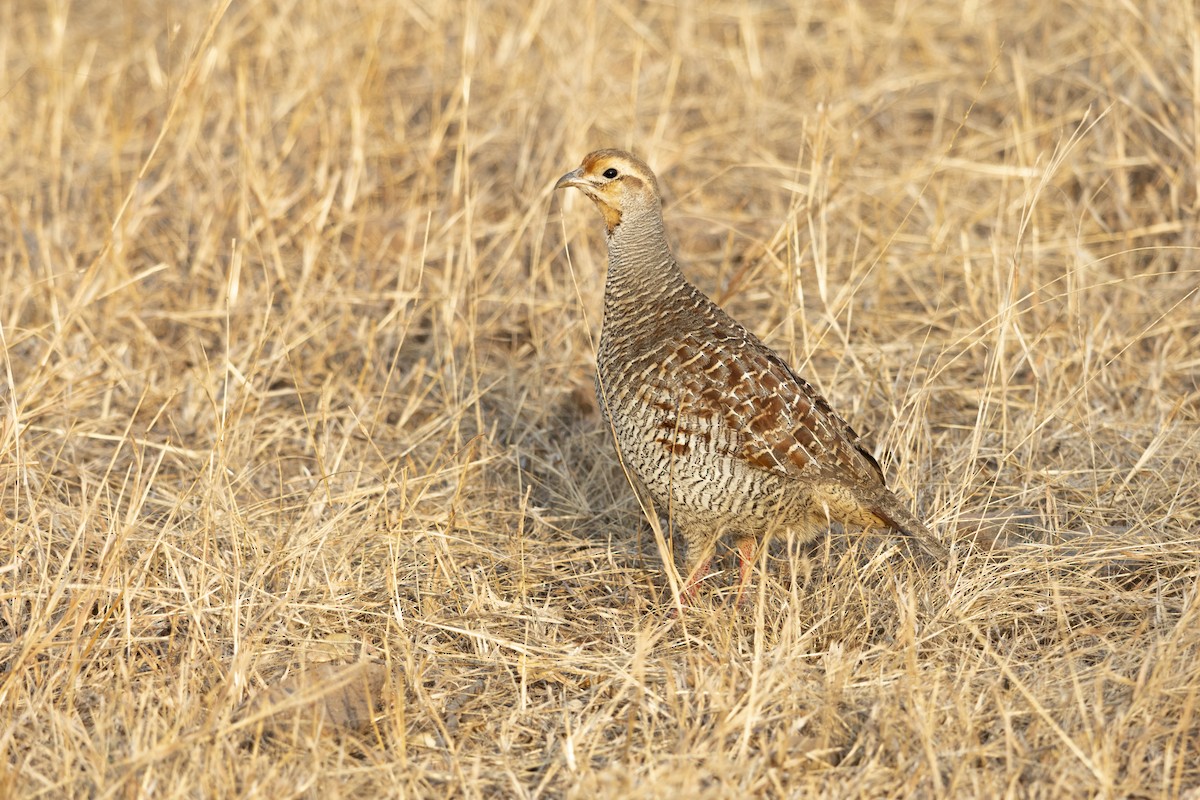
(572, 178)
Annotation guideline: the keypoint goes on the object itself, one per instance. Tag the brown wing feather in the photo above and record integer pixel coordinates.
(774, 420)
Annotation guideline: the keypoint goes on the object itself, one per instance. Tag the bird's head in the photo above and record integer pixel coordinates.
(619, 183)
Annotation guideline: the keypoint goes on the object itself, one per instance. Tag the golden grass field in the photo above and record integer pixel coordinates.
(305, 493)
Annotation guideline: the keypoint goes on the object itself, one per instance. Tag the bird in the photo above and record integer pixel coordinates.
(722, 435)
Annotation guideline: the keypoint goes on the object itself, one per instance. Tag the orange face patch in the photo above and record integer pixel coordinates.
(612, 217)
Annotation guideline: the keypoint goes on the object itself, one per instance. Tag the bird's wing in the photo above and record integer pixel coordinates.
(730, 385)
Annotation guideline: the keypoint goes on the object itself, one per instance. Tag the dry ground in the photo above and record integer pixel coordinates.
(304, 493)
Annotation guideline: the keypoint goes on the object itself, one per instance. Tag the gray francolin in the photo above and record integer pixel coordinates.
(725, 438)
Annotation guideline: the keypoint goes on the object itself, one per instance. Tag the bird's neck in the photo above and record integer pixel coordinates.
(641, 270)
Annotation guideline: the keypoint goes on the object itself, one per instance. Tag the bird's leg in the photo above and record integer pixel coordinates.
(745, 550)
(691, 584)
(700, 544)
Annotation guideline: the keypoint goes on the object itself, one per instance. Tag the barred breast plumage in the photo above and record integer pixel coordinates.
(725, 437)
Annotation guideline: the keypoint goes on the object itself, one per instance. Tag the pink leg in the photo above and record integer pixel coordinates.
(745, 548)
(691, 587)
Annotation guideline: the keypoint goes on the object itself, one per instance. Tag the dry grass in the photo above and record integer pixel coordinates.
(297, 367)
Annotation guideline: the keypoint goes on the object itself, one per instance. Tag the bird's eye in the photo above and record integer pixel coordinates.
(610, 173)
